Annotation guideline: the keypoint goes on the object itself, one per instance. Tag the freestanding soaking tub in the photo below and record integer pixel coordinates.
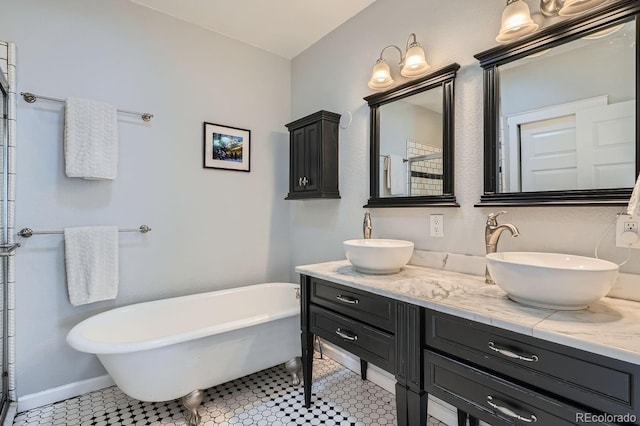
(170, 348)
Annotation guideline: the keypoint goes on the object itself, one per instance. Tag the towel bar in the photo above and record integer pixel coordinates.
(31, 98)
(28, 232)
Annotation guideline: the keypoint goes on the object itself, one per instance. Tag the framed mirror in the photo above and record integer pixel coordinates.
(412, 146)
(561, 112)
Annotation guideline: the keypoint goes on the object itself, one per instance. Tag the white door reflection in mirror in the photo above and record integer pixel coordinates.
(548, 149)
(568, 116)
(607, 146)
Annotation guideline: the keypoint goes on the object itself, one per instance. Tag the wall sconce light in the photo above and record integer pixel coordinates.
(413, 63)
(516, 21)
(516, 17)
(576, 7)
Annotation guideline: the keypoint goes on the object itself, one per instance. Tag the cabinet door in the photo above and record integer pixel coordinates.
(297, 159)
(312, 157)
(306, 159)
(364, 306)
(361, 339)
(606, 384)
(497, 401)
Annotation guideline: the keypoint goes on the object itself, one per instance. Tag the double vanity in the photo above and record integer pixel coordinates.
(450, 334)
(463, 341)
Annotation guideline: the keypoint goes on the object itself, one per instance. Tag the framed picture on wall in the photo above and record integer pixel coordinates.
(226, 147)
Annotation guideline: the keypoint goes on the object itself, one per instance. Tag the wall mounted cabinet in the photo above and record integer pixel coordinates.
(313, 156)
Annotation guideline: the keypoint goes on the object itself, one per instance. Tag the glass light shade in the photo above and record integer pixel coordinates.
(381, 76)
(415, 64)
(516, 22)
(576, 7)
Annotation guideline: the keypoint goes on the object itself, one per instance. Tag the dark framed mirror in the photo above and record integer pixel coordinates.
(561, 112)
(412, 142)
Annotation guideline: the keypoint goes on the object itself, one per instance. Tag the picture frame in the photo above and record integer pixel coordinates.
(226, 147)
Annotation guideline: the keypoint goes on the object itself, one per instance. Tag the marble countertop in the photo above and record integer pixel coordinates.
(610, 327)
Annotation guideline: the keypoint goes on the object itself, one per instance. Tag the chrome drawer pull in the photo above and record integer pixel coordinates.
(346, 336)
(510, 413)
(347, 299)
(508, 353)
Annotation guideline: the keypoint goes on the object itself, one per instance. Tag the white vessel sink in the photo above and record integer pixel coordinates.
(552, 280)
(378, 256)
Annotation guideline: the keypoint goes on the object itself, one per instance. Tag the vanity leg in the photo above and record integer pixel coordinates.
(401, 405)
(473, 421)
(363, 369)
(319, 343)
(307, 366)
(417, 408)
(462, 418)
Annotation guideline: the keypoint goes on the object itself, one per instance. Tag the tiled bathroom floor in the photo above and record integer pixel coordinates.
(266, 398)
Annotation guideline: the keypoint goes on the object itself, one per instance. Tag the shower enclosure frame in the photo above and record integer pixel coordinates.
(4, 92)
(8, 395)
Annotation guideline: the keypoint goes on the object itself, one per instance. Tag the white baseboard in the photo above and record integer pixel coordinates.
(442, 411)
(49, 396)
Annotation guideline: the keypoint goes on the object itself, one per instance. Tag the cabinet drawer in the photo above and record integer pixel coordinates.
(603, 383)
(492, 399)
(375, 310)
(366, 342)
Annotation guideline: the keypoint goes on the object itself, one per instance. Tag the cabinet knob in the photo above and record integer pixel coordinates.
(304, 181)
(300, 181)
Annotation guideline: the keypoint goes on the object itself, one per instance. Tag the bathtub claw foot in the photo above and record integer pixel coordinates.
(191, 402)
(294, 368)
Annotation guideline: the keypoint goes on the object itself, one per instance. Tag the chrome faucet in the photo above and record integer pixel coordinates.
(492, 232)
(366, 226)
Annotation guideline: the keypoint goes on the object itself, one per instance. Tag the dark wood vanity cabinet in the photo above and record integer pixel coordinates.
(362, 323)
(487, 373)
(383, 331)
(507, 378)
(313, 156)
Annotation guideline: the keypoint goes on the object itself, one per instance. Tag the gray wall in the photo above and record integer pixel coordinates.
(212, 229)
(333, 75)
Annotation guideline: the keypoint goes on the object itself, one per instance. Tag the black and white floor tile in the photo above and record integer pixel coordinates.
(266, 398)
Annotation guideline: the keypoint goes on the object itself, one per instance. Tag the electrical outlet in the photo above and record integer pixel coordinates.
(627, 231)
(436, 225)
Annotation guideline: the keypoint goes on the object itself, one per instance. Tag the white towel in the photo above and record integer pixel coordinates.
(90, 139)
(387, 170)
(395, 175)
(633, 208)
(91, 259)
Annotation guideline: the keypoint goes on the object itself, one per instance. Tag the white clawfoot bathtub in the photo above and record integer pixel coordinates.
(165, 349)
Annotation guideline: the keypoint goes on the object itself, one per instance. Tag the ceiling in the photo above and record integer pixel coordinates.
(283, 27)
